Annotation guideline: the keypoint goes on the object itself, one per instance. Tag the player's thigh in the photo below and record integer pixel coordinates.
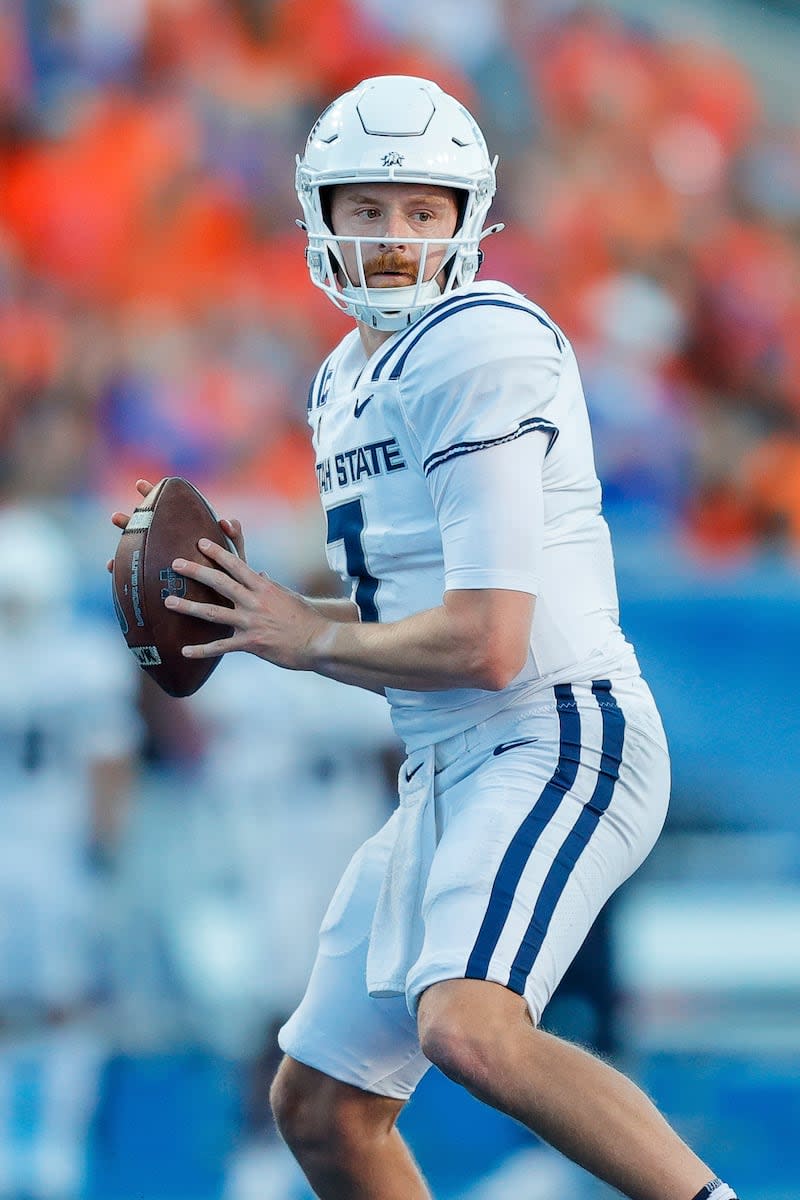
(338, 1029)
(534, 841)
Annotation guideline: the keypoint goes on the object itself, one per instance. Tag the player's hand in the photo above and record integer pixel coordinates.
(268, 620)
(120, 519)
(230, 527)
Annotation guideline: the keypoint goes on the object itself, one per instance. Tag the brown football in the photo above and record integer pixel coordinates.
(166, 525)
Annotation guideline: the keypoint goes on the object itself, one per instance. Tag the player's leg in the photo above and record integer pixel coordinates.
(480, 1034)
(344, 1138)
(352, 1062)
(537, 833)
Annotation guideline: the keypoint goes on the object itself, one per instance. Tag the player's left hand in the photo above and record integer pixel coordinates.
(267, 619)
(230, 526)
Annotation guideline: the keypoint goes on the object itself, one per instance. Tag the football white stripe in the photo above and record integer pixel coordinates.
(140, 519)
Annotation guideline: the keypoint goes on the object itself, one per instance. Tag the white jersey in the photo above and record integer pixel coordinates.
(459, 456)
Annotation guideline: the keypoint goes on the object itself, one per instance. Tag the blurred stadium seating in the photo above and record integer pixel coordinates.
(156, 318)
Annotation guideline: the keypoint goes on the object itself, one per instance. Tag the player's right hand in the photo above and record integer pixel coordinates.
(231, 528)
(120, 519)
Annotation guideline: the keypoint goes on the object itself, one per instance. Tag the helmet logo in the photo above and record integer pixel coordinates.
(393, 159)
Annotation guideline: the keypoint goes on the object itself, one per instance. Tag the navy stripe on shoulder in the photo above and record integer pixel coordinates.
(475, 302)
(449, 305)
(529, 425)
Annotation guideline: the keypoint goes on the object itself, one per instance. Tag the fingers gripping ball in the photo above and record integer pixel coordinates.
(166, 525)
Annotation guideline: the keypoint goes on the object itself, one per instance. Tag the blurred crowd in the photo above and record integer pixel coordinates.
(155, 311)
(164, 865)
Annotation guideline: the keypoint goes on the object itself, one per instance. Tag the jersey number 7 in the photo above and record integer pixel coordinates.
(346, 524)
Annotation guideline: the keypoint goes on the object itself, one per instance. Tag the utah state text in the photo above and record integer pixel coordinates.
(362, 462)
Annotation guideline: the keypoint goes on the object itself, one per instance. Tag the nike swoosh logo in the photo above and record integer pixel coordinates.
(503, 746)
(410, 774)
(361, 405)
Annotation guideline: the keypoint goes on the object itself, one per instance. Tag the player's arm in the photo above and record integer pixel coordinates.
(335, 608)
(489, 507)
(476, 638)
(490, 511)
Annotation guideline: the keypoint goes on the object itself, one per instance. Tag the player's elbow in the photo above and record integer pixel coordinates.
(494, 633)
(500, 664)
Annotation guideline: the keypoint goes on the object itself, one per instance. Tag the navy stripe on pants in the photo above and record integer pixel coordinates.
(577, 839)
(521, 845)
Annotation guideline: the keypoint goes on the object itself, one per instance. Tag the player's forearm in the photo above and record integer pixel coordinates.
(337, 609)
(429, 651)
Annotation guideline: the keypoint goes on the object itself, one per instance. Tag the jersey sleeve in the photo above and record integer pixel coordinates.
(490, 512)
(480, 412)
(484, 376)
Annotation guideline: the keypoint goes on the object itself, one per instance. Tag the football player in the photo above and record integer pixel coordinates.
(455, 467)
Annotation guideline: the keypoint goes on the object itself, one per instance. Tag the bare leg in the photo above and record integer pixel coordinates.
(480, 1035)
(344, 1139)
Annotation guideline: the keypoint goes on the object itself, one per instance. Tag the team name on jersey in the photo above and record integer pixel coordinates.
(362, 462)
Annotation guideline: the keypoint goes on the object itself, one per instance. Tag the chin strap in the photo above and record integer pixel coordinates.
(373, 307)
(381, 297)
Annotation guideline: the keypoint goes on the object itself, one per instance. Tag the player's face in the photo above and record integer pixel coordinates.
(395, 213)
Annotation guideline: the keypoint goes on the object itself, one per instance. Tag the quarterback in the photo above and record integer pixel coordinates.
(455, 469)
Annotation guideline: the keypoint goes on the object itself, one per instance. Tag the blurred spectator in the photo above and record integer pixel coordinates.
(68, 734)
(155, 314)
(267, 781)
(230, 866)
(772, 474)
(292, 780)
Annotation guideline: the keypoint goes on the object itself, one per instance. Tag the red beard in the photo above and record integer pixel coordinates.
(391, 262)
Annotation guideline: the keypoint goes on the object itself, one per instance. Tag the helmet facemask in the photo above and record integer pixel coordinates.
(401, 130)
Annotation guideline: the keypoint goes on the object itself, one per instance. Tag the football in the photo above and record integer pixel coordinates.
(166, 525)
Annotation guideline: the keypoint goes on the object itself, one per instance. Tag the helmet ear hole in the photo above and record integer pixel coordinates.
(325, 198)
(325, 206)
(336, 267)
(462, 199)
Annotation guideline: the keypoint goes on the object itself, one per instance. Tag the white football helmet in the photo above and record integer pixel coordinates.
(394, 128)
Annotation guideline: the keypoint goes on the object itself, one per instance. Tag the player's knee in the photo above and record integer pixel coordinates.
(320, 1118)
(468, 1027)
(302, 1118)
(460, 1049)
